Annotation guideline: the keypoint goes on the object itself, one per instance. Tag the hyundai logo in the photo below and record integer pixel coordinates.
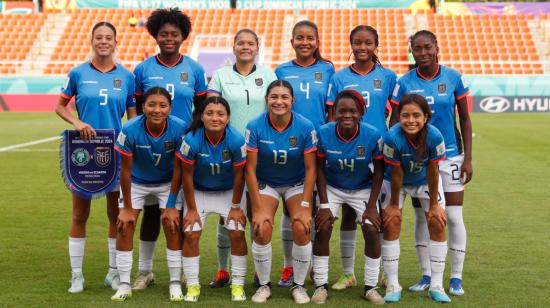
(494, 104)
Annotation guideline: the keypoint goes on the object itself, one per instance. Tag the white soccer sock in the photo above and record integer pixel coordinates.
(320, 268)
(286, 238)
(262, 255)
(457, 239)
(422, 239)
(372, 270)
(191, 269)
(111, 243)
(76, 253)
(347, 251)
(146, 252)
(390, 259)
(301, 257)
(124, 260)
(438, 251)
(173, 259)
(238, 269)
(224, 247)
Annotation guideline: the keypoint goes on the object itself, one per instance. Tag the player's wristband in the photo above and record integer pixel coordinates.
(171, 203)
(235, 206)
(304, 203)
(324, 206)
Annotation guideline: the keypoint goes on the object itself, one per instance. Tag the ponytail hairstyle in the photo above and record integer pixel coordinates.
(109, 25)
(420, 101)
(355, 96)
(157, 91)
(429, 35)
(279, 83)
(373, 31)
(197, 121)
(312, 25)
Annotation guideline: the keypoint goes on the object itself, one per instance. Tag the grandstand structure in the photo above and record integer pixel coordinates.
(51, 43)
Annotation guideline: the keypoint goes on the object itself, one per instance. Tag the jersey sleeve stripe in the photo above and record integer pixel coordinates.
(138, 94)
(310, 150)
(320, 154)
(379, 157)
(391, 162)
(200, 93)
(66, 96)
(251, 149)
(239, 163)
(329, 103)
(462, 96)
(185, 160)
(438, 160)
(121, 151)
(393, 101)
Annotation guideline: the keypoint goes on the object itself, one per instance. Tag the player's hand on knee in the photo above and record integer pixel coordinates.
(437, 216)
(237, 216)
(191, 218)
(258, 222)
(392, 214)
(303, 218)
(372, 215)
(171, 218)
(324, 216)
(126, 219)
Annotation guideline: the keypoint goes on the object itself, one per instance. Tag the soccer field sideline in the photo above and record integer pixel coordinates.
(505, 212)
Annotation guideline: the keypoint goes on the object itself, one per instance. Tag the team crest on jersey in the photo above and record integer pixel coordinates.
(259, 82)
(293, 140)
(117, 83)
(184, 76)
(168, 145)
(377, 84)
(226, 155)
(102, 156)
(360, 150)
(442, 88)
(318, 76)
(80, 157)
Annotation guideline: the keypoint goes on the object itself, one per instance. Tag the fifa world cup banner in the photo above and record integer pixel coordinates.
(90, 168)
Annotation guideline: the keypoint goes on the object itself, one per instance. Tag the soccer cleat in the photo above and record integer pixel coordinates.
(455, 287)
(393, 293)
(374, 297)
(176, 295)
(262, 294)
(143, 280)
(320, 295)
(193, 293)
(123, 293)
(77, 283)
(299, 293)
(256, 281)
(221, 280)
(287, 277)
(421, 285)
(344, 282)
(237, 293)
(438, 294)
(112, 279)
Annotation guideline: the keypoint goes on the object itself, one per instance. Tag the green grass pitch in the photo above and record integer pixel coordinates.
(506, 212)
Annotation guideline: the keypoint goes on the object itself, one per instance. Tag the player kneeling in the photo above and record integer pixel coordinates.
(212, 158)
(147, 144)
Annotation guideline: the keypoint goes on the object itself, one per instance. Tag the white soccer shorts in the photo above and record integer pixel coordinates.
(420, 192)
(356, 199)
(449, 169)
(147, 194)
(286, 192)
(215, 202)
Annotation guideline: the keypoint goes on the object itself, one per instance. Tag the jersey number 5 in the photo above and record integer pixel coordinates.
(103, 93)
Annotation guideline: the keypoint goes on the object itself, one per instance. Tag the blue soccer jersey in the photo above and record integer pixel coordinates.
(400, 151)
(152, 156)
(281, 152)
(441, 92)
(213, 163)
(347, 161)
(310, 85)
(101, 97)
(184, 81)
(375, 86)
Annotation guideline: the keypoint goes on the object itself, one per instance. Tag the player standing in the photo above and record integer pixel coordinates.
(104, 92)
(281, 149)
(445, 90)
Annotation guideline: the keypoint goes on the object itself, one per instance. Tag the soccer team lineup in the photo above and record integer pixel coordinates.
(329, 149)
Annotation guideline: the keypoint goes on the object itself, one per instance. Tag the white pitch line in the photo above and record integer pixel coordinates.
(26, 144)
(33, 150)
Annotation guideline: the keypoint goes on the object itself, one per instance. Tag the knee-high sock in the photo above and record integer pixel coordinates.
(238, 269)
(438, 252)
(111, 244)
(286, 238)
(262, 255)
(347, 250)
(145, 258)
(390, 259)
(191, 269)
(76, 253)
(320, 268)
(372, 270)
(457, 239)
(301, 257)
(422, 239)
(124, 261)
(224, 247)
(173, 259)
